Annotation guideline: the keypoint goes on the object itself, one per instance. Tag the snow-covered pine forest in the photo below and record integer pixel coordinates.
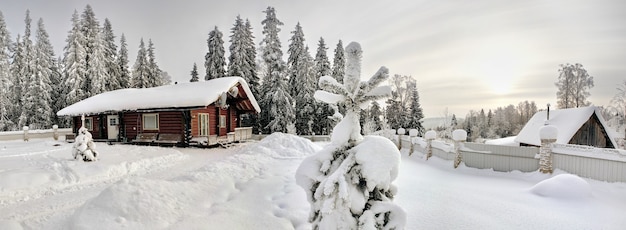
(36, 82)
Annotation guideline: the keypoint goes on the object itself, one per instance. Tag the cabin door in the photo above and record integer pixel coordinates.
(113, 126)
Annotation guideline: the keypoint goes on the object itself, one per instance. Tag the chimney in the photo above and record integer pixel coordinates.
(548, 118)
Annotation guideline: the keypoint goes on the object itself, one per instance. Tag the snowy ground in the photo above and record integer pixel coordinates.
(252, 186)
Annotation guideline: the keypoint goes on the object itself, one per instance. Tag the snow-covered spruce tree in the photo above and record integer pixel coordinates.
(339, 62)
(124, 77)
(302, 82)
(194, 73)
(323, 111)
(96, 73)
(277, 113)
(24, 72)
(416, 114)
(5, 83)
(250, 67)
(214, 58)
(110, 57)
(375, 116)
(38, 99)
(155, 74)
(236, 60)
(349, 182)
(74, 61)
(84, 148)
(141, 69)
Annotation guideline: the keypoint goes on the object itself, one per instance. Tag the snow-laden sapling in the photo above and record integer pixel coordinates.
(348, 183)
(84, 147)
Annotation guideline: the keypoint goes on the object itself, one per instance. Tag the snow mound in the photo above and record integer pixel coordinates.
(136, 204)
(566, 186)
(280, 145)
(10, 225)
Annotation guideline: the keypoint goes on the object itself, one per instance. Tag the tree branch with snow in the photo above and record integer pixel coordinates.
(349, 182)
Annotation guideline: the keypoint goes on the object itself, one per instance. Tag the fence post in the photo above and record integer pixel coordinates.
(55, 132)
(400, 132)
(548, 136)
(430, 136)
(459, 136)
(25, 128)
(412, 134)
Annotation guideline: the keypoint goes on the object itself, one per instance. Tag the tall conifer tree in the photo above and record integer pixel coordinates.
(122, 63)
(74, 61)
(277, 113)
(5, 81)
(214, 59)
(323, 111)
(110, 54)
(339, 63)
(24, 62)
(141, 69)
(194, 73)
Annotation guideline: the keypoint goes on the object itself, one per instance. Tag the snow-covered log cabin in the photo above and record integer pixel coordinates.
(198, 112)
(577, 126)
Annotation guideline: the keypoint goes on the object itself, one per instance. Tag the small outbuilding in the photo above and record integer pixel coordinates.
(203, 112)
(578, 126)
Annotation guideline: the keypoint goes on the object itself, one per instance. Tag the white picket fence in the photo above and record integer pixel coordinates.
(594, 163)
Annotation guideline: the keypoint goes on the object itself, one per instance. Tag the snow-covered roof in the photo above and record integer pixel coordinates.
(567, 121)
(182, 95)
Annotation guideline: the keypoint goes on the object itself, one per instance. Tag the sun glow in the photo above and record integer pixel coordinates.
(499, 69)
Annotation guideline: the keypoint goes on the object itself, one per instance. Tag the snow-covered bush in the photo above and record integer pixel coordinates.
(84, 147)
(348, 183)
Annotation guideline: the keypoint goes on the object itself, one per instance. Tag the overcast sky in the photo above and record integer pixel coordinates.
(465, 55)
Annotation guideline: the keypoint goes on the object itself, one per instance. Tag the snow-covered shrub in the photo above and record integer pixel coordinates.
(84, 147)
(348, 183)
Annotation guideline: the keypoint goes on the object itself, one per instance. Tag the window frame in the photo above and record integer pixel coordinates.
(143, 121)
(89, 123)
(222, 121)
(201, 128)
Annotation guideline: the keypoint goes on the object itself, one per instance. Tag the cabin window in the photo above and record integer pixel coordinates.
(89, 123)
(222, 121)
(203, 124)
(151, 121)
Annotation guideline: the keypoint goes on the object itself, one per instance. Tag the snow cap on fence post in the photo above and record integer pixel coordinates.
(548, 135)
(548, 132)
(25, 128)
(401, 131)
(459, 135)
(413, 133)
(55, 132)
(430, 135)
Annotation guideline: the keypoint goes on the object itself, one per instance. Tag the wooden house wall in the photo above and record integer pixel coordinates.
(592, 134)
(231, 120)
(195, 124)
(170, 122)
(98, 128)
